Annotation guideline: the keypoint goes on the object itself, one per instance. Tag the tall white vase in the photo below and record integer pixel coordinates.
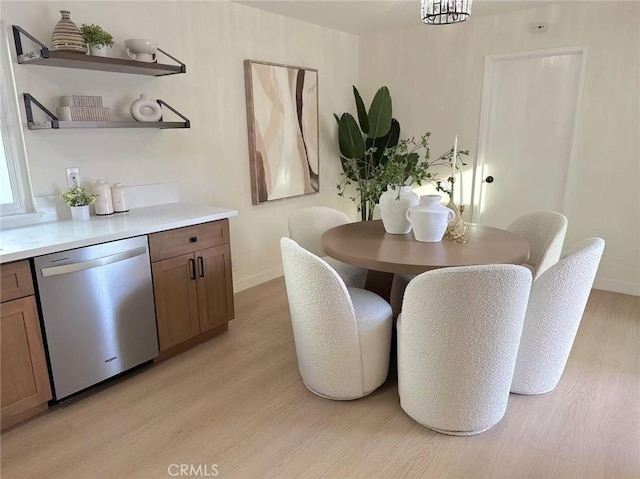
(394, 204)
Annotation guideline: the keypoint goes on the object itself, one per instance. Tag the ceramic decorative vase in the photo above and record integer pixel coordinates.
(145, 109)
(141, 50)
(99, 50)
(79, 213)
(67, 36)
(394, 204)
(430, 219)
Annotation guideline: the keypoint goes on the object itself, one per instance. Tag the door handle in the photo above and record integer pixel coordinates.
(93, 263)
(201, 266)
(489, 179)
(192, 265)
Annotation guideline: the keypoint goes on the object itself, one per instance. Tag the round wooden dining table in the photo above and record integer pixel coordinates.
(368, 245)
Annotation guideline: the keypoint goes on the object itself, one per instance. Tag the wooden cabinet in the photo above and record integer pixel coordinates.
(24, 374)
(192, 283)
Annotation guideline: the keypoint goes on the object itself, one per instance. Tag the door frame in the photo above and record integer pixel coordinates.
(489, 61)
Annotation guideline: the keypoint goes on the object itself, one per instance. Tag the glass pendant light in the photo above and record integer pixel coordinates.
(443, 12)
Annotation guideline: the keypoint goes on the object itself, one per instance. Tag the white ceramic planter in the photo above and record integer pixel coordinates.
(99, 50)
(430, 219)
(393, 209)
(79, 213)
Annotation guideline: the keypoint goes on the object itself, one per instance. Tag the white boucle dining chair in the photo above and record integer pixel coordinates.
(307, 225)
(545, 231)
(556, 305)
(458, 338)
(342, 335)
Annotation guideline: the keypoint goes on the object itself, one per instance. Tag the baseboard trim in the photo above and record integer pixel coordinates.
(256, 279)
(616, 286)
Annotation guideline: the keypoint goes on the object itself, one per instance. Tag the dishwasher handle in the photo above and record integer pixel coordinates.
(93, 263)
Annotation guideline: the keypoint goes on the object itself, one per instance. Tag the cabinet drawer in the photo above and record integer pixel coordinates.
(15, 281)
(169, 244)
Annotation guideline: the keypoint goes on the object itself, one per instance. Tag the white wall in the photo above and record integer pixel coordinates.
(435, 78)
(209, 161)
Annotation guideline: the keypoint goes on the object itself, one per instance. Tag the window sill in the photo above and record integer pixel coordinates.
(20, 220)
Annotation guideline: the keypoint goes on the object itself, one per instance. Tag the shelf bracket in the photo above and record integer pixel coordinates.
(183, 67)
(38, 125)
(187, 123)
(42, 53)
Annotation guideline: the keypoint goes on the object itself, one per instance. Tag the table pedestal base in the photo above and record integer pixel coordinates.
(379, 283)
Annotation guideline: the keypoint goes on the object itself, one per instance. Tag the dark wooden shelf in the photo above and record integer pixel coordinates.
(88, 62)
(60, 125)
(52, 58)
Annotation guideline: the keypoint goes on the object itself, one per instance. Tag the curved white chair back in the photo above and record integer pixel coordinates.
(458, 338)
(329, 346)
(306, 226)
(545, 231)
(558, 299)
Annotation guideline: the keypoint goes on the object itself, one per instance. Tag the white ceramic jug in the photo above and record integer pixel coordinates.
(429, 219)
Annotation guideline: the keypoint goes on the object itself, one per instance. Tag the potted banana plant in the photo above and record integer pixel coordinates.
(362, 145)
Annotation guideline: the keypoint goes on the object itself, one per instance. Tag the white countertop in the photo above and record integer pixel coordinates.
(44, 238)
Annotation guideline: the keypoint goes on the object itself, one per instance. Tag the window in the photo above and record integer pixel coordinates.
(15, 191)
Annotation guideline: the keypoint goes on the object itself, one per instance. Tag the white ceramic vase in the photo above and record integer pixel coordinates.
(146, 109)
(80, 213)
(430, 219)
(394, 204)
(99, 50)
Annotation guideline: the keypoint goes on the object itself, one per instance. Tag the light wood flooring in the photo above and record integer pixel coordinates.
(237, 401)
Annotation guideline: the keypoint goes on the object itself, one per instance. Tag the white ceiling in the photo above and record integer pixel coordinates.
(362, 16)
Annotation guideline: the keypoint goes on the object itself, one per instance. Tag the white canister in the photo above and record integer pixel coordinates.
(119, 197)
(104, 205)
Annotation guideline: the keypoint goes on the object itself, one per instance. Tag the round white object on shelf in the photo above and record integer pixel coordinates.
(145, 109)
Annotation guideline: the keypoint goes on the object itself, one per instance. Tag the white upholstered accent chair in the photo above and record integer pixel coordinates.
(545, 231)
(307, 225)
(557, 302)
(458, 338)
(342, 335)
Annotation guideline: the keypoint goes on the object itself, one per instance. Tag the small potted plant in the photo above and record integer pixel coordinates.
(78, 201)
(98, 39)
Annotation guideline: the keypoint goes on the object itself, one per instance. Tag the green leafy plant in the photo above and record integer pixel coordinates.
(95, 35)
(362, 145)
(406, 164)
(78, 196)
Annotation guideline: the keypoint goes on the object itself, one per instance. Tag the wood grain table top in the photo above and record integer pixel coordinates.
(366, 244)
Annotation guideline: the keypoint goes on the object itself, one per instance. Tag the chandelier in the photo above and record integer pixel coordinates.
(442, 12)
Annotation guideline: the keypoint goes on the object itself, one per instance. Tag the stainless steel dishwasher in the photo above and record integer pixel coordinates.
(98, 312)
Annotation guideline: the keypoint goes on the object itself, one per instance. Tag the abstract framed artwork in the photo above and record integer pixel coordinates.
(282, 120)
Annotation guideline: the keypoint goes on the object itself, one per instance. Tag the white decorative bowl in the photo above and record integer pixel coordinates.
(140, 45)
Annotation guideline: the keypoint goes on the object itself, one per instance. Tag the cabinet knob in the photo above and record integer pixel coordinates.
(489, 179)
(193, 239)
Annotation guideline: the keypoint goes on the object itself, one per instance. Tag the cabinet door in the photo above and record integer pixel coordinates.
(215, 286)
(25, 378)
(176, 294)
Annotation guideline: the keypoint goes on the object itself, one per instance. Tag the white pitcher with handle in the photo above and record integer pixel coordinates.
(429, 219)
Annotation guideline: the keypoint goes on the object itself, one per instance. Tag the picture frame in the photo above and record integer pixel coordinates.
(283, 133)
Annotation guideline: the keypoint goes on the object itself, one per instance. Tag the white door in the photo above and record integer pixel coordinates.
(530, 105)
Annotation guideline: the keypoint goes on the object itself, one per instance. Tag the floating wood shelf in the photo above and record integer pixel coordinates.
(61, 125)
(46, 57)
(53, 123)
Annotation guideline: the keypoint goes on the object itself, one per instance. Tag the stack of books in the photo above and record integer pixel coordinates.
(82, 108)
